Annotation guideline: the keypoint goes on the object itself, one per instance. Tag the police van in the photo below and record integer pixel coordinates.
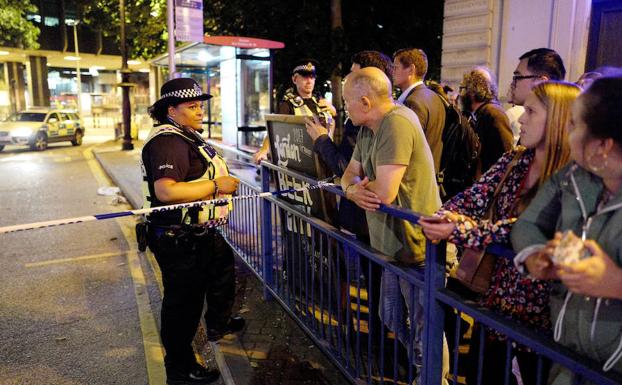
(37, 127)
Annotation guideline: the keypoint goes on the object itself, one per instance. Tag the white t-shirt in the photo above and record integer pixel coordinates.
(513, 114)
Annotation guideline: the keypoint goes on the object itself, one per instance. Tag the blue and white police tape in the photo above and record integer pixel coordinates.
(99, 217)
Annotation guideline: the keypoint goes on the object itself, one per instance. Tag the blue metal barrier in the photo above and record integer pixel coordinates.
(328, 282)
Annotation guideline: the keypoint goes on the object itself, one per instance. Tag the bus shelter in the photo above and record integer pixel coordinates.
(237, 72)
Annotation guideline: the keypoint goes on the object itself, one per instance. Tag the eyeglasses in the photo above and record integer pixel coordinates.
(516, 78)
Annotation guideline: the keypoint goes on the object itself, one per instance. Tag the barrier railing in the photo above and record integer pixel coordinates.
(330, 284)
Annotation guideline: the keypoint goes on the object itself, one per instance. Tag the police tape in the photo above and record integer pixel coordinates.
(99, 217)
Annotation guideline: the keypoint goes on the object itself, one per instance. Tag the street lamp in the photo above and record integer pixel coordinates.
(77, 58)
(125, 85)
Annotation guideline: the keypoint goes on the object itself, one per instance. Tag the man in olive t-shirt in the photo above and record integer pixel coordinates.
(391, 164)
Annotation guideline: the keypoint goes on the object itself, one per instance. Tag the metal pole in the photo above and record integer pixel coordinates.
(125, 85)
(271, 82)
(434, 279)
(170, 25)
(79, 85)
(266, 236)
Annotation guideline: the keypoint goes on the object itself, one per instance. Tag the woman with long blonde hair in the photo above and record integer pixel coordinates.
(484, 214)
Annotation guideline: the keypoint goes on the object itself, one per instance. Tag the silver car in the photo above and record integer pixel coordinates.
(39, 126)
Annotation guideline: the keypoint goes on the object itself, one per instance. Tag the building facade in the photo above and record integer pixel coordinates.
(49, 75)
(495, 33)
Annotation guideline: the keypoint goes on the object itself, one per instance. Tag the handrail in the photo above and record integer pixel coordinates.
(358, 246)
(396, 211)
(432, 280)
(531, 339)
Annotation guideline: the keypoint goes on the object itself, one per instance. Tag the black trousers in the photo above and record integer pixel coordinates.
(196, 268)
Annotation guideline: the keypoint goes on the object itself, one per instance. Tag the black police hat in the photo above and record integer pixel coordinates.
(180, 90)
(305, 67)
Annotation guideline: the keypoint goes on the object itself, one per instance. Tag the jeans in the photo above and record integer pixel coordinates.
(397, 293)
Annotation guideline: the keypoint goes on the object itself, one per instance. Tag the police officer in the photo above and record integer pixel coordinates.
(300, 100)
(178, 165)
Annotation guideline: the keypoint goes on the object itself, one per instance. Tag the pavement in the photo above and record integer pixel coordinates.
(271, 349)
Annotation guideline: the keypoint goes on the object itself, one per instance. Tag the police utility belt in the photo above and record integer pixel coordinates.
(182, 231)
(191, 223)
(195, 228)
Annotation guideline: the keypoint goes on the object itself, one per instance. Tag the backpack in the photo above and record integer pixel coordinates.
(460, 155)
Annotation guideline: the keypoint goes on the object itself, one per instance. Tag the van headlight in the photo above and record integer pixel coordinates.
(21, 131)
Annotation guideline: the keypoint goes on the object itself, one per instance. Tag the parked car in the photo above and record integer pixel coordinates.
(39, 126)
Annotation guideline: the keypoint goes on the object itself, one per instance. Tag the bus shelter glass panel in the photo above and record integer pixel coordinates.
(254, 91)
(214, 105)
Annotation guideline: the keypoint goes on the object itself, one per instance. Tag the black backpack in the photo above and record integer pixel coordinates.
(460, 156)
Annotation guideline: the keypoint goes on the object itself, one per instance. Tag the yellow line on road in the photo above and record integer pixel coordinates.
(154, 353)
(155, 268)
(74, 259)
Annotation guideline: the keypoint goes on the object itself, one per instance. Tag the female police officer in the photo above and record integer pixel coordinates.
(196, 262)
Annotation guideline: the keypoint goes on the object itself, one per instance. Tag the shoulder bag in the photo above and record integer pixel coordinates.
(476, 266)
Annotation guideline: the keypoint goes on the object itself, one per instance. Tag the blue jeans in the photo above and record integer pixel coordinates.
(396, 292)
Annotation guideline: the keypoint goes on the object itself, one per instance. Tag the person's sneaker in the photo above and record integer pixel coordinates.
(196, 376)
(235, 324)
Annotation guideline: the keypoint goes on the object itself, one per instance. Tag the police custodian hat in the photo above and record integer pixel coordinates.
(305, 67)
(178, 91)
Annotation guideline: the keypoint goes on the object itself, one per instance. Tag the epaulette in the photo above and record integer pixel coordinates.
(293, 98)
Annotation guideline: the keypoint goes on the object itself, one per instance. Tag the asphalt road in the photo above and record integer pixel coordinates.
(78, 305)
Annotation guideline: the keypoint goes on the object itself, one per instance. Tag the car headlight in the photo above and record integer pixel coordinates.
(22, 131)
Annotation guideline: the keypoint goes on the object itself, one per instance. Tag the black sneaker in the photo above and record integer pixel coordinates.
(199, 375)
(235, 324)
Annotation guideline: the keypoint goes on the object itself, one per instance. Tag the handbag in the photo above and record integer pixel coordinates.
(476, 266)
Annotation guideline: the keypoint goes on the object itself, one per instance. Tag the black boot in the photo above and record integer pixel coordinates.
(197, 375)
(234, 324)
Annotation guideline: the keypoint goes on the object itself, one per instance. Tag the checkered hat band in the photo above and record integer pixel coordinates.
(307, 67)
(183, 94)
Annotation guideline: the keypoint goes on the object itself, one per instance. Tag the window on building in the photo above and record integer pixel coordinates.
(51, 21)
(50, 10)
(33, 18)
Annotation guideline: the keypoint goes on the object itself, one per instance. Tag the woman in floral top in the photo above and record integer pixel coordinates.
(544, 137)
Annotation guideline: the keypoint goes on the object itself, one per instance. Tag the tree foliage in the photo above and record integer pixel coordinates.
(15, 29)
(304, 27)
(145, 24)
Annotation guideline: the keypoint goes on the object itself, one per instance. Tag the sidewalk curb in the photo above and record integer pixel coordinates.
(135, 201)
(227, 363)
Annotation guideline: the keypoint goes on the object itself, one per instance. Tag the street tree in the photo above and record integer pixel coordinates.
(15, 30)
(315, 29)
(145, 20)
(304, 26)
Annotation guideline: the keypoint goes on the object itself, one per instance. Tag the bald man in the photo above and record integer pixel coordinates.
(391, 164)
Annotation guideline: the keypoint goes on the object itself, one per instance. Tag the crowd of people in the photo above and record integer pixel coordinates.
(548, 166)
(549, 184)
